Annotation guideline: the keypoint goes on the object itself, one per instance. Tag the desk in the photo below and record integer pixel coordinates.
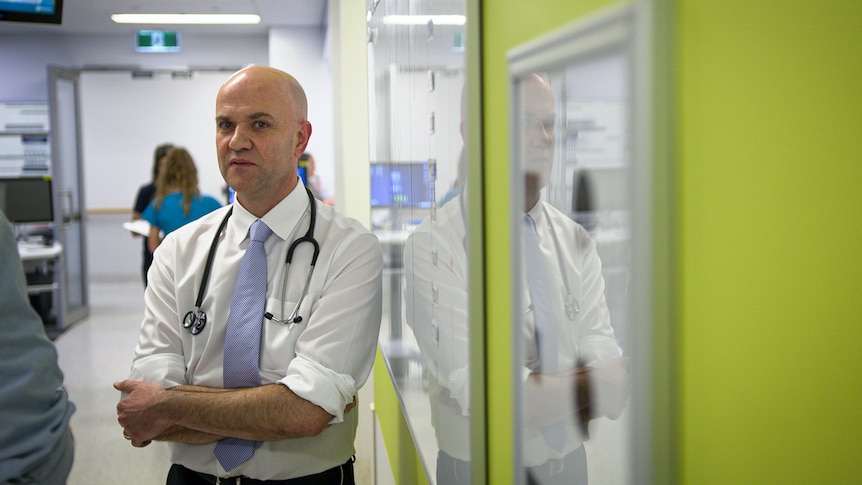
(34, 251)
(40, 266)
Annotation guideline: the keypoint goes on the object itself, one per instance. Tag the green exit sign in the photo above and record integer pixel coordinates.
(157, 41)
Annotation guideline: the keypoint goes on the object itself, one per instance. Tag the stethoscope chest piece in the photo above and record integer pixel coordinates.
(195, 321)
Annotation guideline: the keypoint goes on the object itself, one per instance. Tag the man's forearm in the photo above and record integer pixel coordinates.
(178, 434)
(263, 413)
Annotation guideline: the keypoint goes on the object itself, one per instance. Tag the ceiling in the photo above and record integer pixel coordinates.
(94, 16)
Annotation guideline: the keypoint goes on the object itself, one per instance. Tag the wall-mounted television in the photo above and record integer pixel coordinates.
(41, 11)
(401, 184)
(27, 200)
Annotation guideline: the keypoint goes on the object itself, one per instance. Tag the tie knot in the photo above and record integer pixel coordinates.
(259, 231)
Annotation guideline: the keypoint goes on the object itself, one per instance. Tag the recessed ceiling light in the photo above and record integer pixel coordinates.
(183, 18)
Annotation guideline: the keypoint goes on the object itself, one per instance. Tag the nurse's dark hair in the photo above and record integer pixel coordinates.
(161, 151)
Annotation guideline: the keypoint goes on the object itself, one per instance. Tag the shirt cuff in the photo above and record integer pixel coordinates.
(459, 389)
(321, 386)
(166, 370)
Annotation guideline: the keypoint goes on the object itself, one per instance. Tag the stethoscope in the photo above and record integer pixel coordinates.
(195, 320)
(573, 308)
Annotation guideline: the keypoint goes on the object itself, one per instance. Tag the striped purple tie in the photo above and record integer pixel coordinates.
(242, 338)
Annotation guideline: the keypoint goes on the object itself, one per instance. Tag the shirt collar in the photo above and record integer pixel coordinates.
(282, 219)
(537, 213)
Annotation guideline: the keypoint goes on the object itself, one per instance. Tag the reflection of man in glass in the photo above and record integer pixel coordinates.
(436, 299)
(572, 370)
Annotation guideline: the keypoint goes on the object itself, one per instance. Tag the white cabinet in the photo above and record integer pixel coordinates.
(25, 149)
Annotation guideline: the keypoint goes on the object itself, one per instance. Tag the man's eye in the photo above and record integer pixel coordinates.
(224, 125)
(260, 124)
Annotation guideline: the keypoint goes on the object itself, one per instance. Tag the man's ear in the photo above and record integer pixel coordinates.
(303, 134)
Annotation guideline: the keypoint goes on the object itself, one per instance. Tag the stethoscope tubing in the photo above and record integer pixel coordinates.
(196, 319)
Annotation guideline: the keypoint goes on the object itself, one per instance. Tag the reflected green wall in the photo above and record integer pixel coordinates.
(505, 26)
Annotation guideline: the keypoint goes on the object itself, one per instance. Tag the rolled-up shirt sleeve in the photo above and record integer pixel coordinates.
(335, 352)
(159, 353)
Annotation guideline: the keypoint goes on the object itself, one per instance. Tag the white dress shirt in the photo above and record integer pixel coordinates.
(324, 359)
(581, 313)
(436, 296)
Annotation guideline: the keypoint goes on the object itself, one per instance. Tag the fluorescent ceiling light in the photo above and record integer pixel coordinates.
(424, 19)
(185, 18)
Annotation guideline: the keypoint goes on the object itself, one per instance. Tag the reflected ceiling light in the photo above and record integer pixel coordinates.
(185, 18)
(424, 19)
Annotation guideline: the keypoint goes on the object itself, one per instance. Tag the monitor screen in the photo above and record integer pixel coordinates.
(27, 200)
(43, 11)
(401, 184)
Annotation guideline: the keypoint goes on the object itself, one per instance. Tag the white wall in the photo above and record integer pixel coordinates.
(27, 57)
(302, 53)
(124, 119)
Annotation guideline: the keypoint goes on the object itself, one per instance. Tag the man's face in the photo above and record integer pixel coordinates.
(537, 142)
(258, 137)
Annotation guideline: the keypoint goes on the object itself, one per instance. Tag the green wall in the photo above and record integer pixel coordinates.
(766, 175)
(770, 210)
(403, 458)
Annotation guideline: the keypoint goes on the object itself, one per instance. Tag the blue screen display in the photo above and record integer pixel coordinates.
(46, 11)
(402, 184)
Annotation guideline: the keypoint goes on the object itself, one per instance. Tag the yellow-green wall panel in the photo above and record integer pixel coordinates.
(771, 244)
(505, 26)
(404, 460)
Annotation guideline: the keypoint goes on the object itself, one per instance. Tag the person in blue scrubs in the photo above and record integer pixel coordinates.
(178, 199)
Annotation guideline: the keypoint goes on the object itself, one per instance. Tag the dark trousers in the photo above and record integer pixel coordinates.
(571, 470)
(340, 475)
(148, 261)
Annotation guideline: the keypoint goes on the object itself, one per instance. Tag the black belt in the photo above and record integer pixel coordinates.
(342, 474)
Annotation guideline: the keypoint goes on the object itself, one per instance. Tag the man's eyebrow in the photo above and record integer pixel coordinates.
(253, 116)
(259, 114)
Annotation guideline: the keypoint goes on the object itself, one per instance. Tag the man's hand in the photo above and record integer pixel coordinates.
(611, 387)
(137, 413)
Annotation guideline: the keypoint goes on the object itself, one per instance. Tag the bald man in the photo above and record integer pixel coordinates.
(318, 325)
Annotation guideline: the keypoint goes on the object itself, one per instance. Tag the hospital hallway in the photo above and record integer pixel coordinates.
(94, 353)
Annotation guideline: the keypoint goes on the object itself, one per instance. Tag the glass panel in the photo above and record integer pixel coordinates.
(573, 156)
(70, 230)
(416, 64)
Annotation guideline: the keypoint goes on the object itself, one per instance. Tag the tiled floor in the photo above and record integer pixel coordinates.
(94, 353)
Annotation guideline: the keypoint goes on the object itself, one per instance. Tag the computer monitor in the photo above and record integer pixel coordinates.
(27, 200)
(41, 11)
(401, 184)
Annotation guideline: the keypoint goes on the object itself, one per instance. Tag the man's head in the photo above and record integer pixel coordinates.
(537, 137)
(261, 130)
